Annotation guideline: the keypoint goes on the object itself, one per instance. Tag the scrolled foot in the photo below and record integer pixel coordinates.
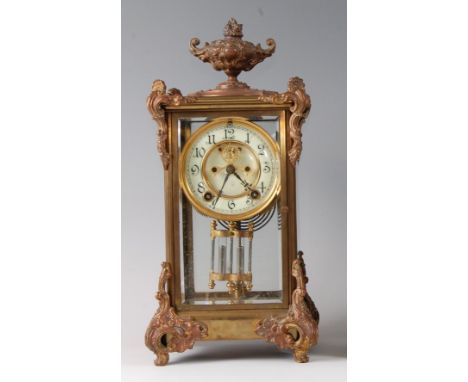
(168, 332)
(298, 329)
(162, 358)
(301, 356)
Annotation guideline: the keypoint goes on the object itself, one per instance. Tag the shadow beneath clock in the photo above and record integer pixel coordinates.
(334, 350)
(257, 349)
(332, 338)
(230, 350)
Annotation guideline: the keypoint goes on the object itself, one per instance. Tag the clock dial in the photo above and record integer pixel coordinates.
(230, 169)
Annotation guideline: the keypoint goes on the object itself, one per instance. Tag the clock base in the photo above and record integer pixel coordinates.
(168, 332)
(296, 330)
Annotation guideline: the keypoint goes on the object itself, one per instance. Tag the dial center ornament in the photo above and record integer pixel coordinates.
(229, 169)
(231, 157)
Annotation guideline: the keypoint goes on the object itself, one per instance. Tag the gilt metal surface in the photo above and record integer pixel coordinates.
(298, 329)
(290, 322)
(156, 102)
(232, 55)
(167, 332)
(300, 107)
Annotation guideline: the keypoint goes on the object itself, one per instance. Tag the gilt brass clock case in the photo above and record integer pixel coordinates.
(204, 208)
(255, 288)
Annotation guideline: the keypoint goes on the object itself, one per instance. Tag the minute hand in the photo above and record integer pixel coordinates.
(221, 190)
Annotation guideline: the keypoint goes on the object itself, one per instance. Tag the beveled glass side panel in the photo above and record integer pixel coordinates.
(231, 266)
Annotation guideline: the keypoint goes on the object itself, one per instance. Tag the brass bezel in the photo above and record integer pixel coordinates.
(263, 204)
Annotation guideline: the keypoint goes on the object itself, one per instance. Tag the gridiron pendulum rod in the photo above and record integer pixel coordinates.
(231, 246)
(250, 247)
(222, 260)
(231, 249)
(250, 257)
(231, 255)
(212, 254)
(230, 260)
(213, 228)
(240, 250)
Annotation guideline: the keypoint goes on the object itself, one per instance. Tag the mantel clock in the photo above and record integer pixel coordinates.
(229, 154)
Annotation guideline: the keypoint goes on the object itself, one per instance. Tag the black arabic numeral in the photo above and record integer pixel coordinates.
(194, 169)
(201, 188)
(231, 204)
(261, 148)
(229, 133)
(199, 152)
(266, 168)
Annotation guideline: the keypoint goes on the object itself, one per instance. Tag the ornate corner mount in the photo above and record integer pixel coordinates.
(300, 107)
(167, 332)
(156, 102)
(298, 329)
(232, 54)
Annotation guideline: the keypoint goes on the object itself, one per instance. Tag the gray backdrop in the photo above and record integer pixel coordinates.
(311, 44)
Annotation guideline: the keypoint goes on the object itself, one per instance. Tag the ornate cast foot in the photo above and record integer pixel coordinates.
(298, 329)
(167, 332)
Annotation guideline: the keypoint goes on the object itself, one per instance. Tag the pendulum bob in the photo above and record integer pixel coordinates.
(240, 282)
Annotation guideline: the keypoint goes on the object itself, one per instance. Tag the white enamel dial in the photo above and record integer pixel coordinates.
(230, 169)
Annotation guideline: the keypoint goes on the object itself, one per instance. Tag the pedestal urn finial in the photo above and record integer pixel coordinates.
(232, 54)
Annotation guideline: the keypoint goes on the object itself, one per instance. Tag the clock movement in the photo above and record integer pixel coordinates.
(229, 154)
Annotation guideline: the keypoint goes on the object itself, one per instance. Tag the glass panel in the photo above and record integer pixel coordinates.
(230, 262)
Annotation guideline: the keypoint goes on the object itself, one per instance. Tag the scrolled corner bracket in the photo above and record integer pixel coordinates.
(156, 103)
(232, 54)
(167, 332)
(298, 329)
(300, 105)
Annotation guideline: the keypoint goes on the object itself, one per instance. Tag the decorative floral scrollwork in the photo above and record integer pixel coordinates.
(155, 103)
(300, 107)
(298, 329)
(232, 54)
(167, 332)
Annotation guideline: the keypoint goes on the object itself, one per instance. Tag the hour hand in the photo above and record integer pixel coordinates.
(244, 183)
(253, 193)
